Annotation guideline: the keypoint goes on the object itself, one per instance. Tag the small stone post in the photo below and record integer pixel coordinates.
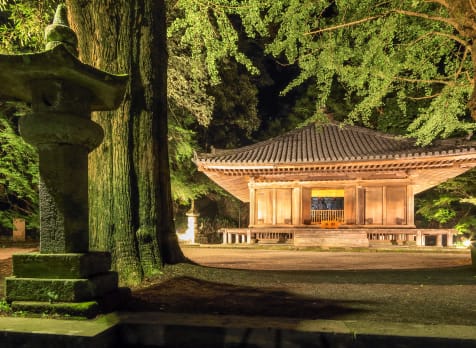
(19, 228)
(63, 92)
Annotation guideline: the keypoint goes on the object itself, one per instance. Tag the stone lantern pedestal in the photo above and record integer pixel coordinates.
(64, 276)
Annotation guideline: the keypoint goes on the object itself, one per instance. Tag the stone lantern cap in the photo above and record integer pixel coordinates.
(17, 72)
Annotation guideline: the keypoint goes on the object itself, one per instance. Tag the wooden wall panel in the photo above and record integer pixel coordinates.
(283, 206)
(264, 206)
(396, 205)
(373, 205)
(349, 205)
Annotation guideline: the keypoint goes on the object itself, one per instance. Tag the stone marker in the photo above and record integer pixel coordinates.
(19, 230)
(63, 92)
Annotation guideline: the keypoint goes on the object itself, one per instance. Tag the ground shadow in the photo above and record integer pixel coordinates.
(191, 295)
(462, 275)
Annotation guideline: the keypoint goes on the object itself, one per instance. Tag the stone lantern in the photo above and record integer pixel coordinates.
(62, 92)
(192, 224)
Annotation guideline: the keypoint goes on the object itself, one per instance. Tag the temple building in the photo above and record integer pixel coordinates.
(335, 185)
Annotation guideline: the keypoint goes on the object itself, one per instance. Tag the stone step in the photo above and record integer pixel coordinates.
(60, 290)
(331, 238)
(60, 266)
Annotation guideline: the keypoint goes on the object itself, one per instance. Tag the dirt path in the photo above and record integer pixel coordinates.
(6, 253)
(285, 260)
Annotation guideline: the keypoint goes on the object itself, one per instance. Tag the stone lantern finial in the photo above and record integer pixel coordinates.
(60, 33)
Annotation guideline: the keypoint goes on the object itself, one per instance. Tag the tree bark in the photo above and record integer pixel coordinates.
(130, 194)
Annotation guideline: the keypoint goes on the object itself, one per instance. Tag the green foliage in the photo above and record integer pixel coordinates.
(467, 225)
(209, 34)
(451, 204)
(186, 183)
(444, 116)
(235, 114)
(22, 24)
(18, 178)
(5, 308)
(209, 227)
(402, 50)
(210, 101)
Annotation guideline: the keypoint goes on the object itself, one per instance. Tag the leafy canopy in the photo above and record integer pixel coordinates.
(413, 51)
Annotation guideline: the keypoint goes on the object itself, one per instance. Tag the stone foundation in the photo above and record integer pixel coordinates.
(331, 238)
(76, 284)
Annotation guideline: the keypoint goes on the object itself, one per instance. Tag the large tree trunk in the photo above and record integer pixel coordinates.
(130, 195)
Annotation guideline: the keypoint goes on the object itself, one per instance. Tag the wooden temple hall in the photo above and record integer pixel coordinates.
(335, 185)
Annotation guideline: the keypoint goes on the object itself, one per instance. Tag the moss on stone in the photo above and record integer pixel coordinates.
(60, 266)
(87, 309)
(60, 290)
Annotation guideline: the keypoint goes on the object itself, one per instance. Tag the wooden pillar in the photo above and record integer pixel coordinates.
(275, 213)
(306, 205)
(350, 205)
(296, 206)
(410, 206)
(360, 205)
(252, 202)
(248, 236)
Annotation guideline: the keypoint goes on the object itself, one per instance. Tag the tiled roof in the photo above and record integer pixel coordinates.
(329, 143)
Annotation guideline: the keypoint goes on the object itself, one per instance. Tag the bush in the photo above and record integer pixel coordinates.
(208, 229)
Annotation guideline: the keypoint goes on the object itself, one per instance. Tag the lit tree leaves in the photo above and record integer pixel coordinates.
(412, 50)
(18, 178)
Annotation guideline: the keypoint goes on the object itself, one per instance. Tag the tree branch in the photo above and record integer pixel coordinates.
(345, 25)
(455, 38)
(473, 5)
(449, 36)
(448, 21)
(460, 68)
(406, 79)
(425, 97)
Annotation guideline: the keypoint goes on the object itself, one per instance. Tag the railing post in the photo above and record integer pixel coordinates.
(449, 239)
(439, 240)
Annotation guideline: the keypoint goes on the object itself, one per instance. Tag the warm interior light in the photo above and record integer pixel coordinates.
(327, 193)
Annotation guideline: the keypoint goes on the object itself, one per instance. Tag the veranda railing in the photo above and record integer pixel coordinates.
(317, 216)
